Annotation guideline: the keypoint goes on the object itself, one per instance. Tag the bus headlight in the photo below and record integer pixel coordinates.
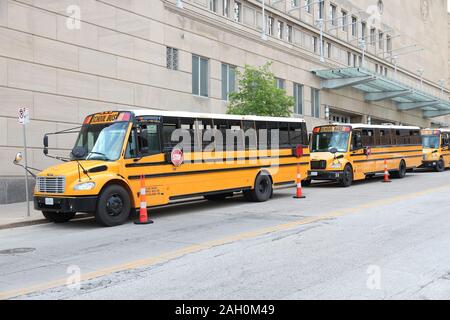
(336, 165)
(84, 186)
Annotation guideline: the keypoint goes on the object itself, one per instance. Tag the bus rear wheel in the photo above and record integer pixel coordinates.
(347, 178)
(401, 172)
(58, 217)
(263, 188)
(440, 166)
(113, 207)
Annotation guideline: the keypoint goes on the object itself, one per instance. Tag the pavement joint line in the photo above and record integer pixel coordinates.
(168, 256)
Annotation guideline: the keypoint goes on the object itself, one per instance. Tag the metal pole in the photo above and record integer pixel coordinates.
(322, 58)
(26, 166)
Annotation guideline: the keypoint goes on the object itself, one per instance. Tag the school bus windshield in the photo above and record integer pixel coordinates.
(324, 141)
(431, 142)
(102, 141)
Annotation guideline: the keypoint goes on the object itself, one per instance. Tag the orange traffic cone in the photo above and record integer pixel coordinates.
(386, 173)
(299, 194)
(143, 214)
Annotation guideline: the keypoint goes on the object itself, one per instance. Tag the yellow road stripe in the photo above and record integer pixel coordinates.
(147, 262)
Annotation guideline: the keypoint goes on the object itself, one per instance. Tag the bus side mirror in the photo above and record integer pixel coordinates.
(333, 150)
(18, 158)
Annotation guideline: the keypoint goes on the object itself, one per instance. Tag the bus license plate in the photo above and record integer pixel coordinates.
(49, 202)
(314, 174)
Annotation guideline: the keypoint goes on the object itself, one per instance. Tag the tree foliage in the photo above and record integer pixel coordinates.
(259, 95)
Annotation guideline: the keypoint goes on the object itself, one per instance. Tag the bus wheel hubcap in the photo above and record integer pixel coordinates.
(114, 205)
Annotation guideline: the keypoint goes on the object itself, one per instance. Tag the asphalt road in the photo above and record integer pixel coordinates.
(370, 241)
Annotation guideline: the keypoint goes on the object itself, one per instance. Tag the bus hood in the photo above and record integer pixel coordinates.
(327, 156)
(430, 154)
(68, 169)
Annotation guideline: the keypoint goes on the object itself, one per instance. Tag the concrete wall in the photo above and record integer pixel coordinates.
(117, 59)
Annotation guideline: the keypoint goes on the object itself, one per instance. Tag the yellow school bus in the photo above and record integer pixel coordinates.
(349, 152)
(436, 152)
(179, 154)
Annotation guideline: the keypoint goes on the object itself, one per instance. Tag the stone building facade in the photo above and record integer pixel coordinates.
(64, 59)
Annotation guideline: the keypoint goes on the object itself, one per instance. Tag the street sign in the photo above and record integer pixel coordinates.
(24, 116)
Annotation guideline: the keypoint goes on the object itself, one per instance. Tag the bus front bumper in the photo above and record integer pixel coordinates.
(325, 175)
(428, 164)
(66, 204)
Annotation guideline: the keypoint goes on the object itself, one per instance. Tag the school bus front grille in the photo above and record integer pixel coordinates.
(51, 184)
(318, 165)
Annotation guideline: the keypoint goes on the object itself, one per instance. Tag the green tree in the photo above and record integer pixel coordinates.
(259, 95)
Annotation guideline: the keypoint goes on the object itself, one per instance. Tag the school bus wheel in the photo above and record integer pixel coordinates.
(440, 165)
(347, 176)
(58, 217)
(113, 206)
(401, 172)
(263, 188)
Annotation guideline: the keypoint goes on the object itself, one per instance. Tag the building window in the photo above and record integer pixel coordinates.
(237, 12)
(172, 58)
(294, 3)
(321, 8)
(298, 98)
(329, 50)
(226, 8)
(315, 103)
(344, 20)
(270, 23)
(213, 5)
(280, 30)
(315, 44)
(200, 76)
(281, 83)
(388, 43)
(381, 40)
(363, 30)
(228, 80)
(308, 6)
(354, 26)
(333, 9)
(349, 59)
(289, 33)
(372, 36)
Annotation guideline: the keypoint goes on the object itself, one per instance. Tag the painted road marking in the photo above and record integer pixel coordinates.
(165, 257)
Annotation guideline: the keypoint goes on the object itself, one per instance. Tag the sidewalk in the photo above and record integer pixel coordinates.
(15, 215)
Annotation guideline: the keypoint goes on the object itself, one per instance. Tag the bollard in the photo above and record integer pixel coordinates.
(143, 214)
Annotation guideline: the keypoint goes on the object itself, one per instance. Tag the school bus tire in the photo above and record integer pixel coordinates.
(347, 179)
(263, 189)
(440, 165)
(401, 172)
(113, 206)
(58, 217)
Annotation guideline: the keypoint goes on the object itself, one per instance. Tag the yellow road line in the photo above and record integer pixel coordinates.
(147, 262)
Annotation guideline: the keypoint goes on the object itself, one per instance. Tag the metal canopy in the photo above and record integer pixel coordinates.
(378, 88)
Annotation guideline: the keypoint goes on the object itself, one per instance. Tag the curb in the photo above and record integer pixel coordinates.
(20, 224)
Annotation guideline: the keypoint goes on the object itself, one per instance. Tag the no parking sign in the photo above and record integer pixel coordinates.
(24, 116)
